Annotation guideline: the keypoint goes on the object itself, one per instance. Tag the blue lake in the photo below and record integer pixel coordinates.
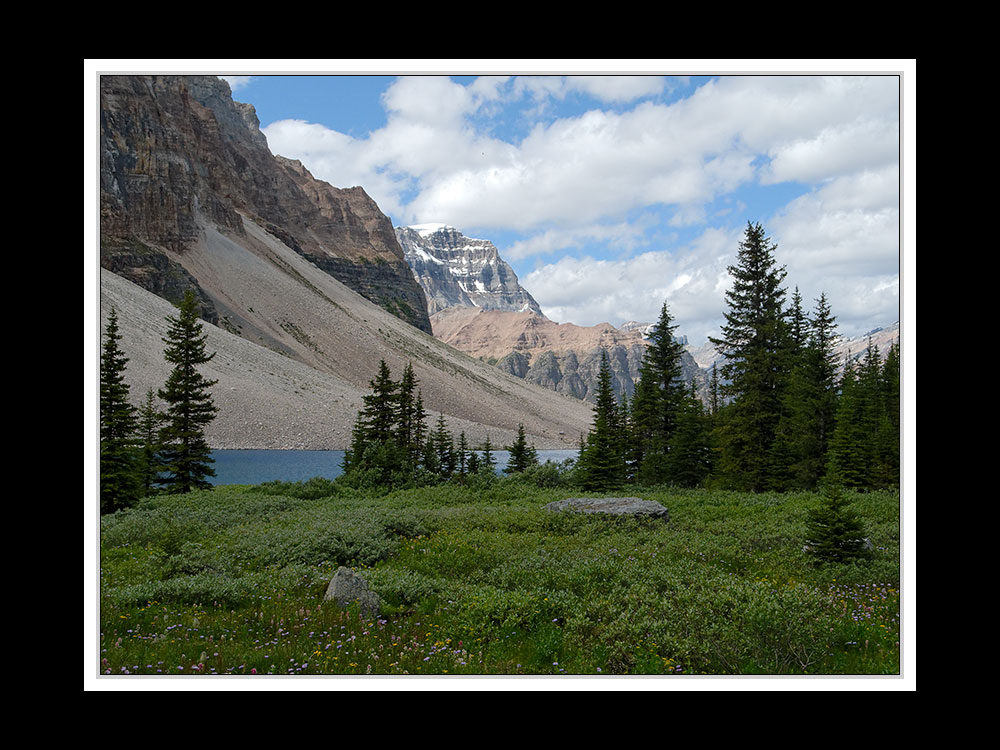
(256, 466)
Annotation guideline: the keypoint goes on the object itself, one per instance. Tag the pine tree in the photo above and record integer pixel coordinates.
(119, 482)
(462, 456)
(601, 464)
(149, 463)
(658, 400)
(799, 452)
(389, 438)
(888, 443)
(849, 457)
(381, 407)
(713, 392)
(487, 461)
(834, 532)
(187, 460)
(689, 461)
(408, 432)
(443, 447)
(522, 455)
(754, 342)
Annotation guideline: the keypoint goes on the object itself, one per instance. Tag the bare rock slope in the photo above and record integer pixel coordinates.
(307, 350)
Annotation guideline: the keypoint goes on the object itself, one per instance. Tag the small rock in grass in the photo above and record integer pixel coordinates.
(347, 587)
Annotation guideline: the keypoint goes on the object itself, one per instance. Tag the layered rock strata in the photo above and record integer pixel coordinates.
(178, 155)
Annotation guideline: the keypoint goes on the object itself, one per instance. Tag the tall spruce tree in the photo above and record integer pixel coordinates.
(119, 482)
(658, 400)
(888, 443)
(443, 447)
(849, 457)
(186, 456)
(601, 464)
(754, 342)
(386, 440)
(487, 462)
(410, 414)
(799, 453)
(462, 456)
(522, 455)
(149, 462)
(689, 461)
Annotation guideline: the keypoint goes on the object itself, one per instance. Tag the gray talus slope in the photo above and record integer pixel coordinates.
(307, 349)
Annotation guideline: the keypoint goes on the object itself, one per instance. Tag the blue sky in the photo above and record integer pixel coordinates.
(612, 194)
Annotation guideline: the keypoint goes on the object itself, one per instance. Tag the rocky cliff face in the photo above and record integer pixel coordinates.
(178, 155)
(563, 357)
(457, 271)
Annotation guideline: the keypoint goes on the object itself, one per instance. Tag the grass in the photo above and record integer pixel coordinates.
(485, 581)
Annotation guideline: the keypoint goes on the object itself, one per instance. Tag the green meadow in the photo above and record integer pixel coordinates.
(480, 579)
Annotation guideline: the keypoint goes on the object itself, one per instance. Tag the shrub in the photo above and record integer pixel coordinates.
(835, 534)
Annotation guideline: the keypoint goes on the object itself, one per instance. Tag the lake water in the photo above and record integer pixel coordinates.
(256, 466)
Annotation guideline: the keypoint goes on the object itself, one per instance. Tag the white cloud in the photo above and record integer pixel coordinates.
(692, 280)
(237, 82)
(574, 180)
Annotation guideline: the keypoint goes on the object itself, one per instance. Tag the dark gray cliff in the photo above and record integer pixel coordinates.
(177, 154)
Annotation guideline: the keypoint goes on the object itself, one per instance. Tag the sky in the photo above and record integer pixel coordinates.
(612, 194)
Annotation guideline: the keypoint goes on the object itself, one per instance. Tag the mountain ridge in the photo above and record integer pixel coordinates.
(459, 271)
(177, 152)
(298, 346)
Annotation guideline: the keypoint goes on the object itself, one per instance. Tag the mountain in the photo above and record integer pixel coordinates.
(562, 356)
(458, 271)
(477, 306)
(177, 154)
(306, 283)
(853, 347)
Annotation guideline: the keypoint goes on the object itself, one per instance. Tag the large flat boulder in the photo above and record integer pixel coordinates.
(613, 506)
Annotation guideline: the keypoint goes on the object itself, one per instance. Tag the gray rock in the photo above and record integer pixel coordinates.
(615, 506)
(346, 587)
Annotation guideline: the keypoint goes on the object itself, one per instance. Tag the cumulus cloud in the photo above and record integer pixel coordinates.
(236, 82)
(580, 179)
(605, 88)
(691, 279)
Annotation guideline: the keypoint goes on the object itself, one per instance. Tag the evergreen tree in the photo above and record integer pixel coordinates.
(658, 400)
(410, 414)
(443, 447)
(149, 463)
(388, 437)
(462, 456)
(713, 392)
(834, 532)
(119, 482)
(601, 464)
(522, 455)
(487, 461)
(381, 407)
(689, 461)
(849, 458)
(799, 452)
(187, 460)
(754, 342)
(888, 442)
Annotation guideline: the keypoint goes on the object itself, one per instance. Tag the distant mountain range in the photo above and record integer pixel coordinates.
(477, 305)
